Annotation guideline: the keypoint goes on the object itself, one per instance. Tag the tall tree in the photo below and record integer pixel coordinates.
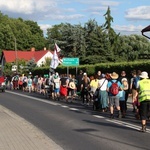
(112, 36)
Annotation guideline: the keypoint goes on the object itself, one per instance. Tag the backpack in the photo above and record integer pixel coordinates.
(114, 88)
(135, 80)
(16, 78)
(29, 81)
(47, 81)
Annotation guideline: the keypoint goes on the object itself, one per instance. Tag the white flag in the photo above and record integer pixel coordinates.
(57, 48)
(55, 60)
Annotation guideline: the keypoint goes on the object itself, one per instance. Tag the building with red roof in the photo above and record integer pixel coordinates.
(10, 56)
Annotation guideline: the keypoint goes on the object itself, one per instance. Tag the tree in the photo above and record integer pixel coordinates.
(30, 65)
(112, 36)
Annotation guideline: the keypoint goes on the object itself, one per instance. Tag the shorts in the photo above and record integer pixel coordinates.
(56, 90)
(114, 101)
(71, 92)
(144, 109)
(24, 84)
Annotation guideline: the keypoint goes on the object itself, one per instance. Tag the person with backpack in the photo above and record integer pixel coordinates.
(29, 84)
(85, 86)
(15, 80)
(79, 80)
(122, 96)
(113, 88)
(56, 81)
(24, 82)
(134, 80)
(122, 78)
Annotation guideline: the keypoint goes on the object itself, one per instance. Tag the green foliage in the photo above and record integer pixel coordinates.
(7, 69)
(91, 43)
(104, 67)
(30, 65)
(47, 61)
(27, 34)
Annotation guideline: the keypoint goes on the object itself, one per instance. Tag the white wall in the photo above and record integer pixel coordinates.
(42, 60)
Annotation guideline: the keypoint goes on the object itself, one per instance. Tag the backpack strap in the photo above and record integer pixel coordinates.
(102, 83)
(114, 82)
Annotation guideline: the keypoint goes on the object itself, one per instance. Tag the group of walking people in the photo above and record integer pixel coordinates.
(106, 92)
(111, 91)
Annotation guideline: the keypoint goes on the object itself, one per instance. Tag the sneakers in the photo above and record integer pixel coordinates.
(143, 128)
(137, 116)
(133, 110)
(111, 116)
(119, 115)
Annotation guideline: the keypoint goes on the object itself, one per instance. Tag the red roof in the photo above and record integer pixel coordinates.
(10, 56)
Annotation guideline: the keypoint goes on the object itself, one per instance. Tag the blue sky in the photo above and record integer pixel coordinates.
(130, 16)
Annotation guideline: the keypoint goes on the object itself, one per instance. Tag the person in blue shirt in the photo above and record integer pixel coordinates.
(122, 98)
(114, 99)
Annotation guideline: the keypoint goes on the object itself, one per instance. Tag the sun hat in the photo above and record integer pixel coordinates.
(144, 75)
(124, 79)
(114, 75)
(56, 74)
(84, 73)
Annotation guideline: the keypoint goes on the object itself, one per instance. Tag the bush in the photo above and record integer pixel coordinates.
(103, 67)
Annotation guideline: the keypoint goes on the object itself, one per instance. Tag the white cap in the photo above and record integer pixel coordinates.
(84, 73)
(144, 74)
(124, 79)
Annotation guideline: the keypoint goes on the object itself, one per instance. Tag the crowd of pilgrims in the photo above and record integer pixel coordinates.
(89, 89)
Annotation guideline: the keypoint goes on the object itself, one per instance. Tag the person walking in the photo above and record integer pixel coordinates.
(133, 85)
(113, 88)
(85, 85)
(143, 88)
(122, 78)
(29, 84)
(79, 78)
(103, 94)
(56, 80)
(122, 97)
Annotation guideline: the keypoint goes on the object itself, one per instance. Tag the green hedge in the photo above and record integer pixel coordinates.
(104, 67)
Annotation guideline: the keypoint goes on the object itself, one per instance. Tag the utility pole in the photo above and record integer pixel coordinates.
(16, 55)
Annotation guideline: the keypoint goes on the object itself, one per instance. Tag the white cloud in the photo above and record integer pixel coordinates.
(38, 10)
(64, 17)
(44, 27)
(26, 6)
(102, 2)
(128, 29)
(138, 13)
(69, 10)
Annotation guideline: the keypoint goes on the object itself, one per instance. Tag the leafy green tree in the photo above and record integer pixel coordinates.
(37, 37)
(6, 34)
(47, 62)
(54, 35)
(30, 65)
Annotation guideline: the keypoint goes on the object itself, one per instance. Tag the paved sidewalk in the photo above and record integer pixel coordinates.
(18, 134)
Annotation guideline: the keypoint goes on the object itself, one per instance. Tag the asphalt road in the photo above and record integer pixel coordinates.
(77, 127)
